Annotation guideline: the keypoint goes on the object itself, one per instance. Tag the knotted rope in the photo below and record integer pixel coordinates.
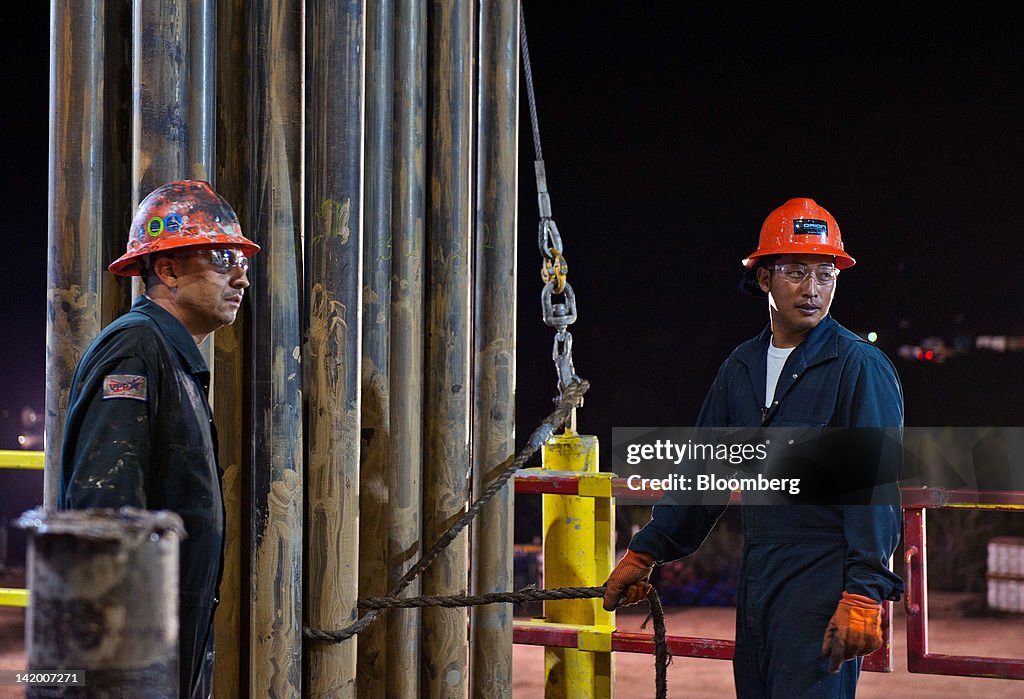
(571, 398)
(528, 594)
(662, 655)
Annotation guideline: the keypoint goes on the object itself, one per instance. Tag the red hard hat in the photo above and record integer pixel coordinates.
(177, 215)
(800, 226)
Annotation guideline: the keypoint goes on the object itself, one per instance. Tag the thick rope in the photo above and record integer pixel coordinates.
(528, 594)
(662, 655)
(571, 398)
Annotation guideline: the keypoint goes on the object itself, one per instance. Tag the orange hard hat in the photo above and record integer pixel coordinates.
(800, 226)
(177, 215)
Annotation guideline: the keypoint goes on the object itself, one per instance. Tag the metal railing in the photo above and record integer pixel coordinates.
(915, 503)
(591, 629)
(31, 460)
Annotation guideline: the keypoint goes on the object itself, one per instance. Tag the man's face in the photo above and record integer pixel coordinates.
(796, 308)
(209, 292)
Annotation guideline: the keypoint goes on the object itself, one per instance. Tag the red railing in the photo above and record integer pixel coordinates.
(915, 502)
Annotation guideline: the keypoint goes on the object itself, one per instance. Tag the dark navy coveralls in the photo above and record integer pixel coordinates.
(151, 443)
(798, 559)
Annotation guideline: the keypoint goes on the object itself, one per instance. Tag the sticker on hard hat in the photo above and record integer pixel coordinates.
(810, 226)
(172, 223)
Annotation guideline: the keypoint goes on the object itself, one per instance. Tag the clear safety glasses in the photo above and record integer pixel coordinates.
(797, 273)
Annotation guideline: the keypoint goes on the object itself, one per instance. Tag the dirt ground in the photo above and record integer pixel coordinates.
(12, 646)
(949, 632)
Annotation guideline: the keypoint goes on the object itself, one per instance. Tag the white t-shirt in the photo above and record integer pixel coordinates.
(776, 360)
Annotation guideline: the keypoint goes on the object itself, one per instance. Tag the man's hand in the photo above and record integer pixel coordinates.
(628, 581)
(855, 629)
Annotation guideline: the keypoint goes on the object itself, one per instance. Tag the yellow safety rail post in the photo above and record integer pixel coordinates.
(12, 458)
(578, 552)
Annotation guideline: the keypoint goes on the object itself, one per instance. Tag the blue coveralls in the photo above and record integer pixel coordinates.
(798, 559)
(139, 432)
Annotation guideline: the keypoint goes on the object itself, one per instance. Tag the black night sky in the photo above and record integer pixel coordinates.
(670, 130)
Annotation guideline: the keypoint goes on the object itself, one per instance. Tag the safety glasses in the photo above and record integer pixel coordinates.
(797, 273)
(225, 260)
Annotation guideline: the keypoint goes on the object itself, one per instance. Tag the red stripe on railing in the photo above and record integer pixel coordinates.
(915, 502)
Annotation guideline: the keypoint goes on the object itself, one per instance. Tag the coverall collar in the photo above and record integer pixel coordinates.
(176, 334)
(821, 344)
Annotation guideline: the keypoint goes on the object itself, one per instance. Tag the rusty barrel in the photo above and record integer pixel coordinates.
(103, 601)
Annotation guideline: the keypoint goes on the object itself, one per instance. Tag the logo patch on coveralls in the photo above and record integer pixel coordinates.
(810, 226)
(131, 386)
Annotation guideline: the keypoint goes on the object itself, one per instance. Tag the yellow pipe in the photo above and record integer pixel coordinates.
(21, 459)
(13, 597)
(577, 553)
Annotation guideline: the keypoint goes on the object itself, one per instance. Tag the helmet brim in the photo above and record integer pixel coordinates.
(128, 264)
(843, 260)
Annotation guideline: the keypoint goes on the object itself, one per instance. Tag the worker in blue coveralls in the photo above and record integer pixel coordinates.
(812, 576)
(139, 430)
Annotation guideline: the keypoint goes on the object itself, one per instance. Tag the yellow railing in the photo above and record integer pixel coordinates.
(14, 597)
(21, 459)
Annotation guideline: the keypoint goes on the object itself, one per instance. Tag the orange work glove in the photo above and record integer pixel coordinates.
(628, 580)
(855, 629)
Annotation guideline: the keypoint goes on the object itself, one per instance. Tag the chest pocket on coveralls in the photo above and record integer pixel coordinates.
(805, 406)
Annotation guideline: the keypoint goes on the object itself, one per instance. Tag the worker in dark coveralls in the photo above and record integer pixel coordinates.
(139, 430)
(812, 576)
